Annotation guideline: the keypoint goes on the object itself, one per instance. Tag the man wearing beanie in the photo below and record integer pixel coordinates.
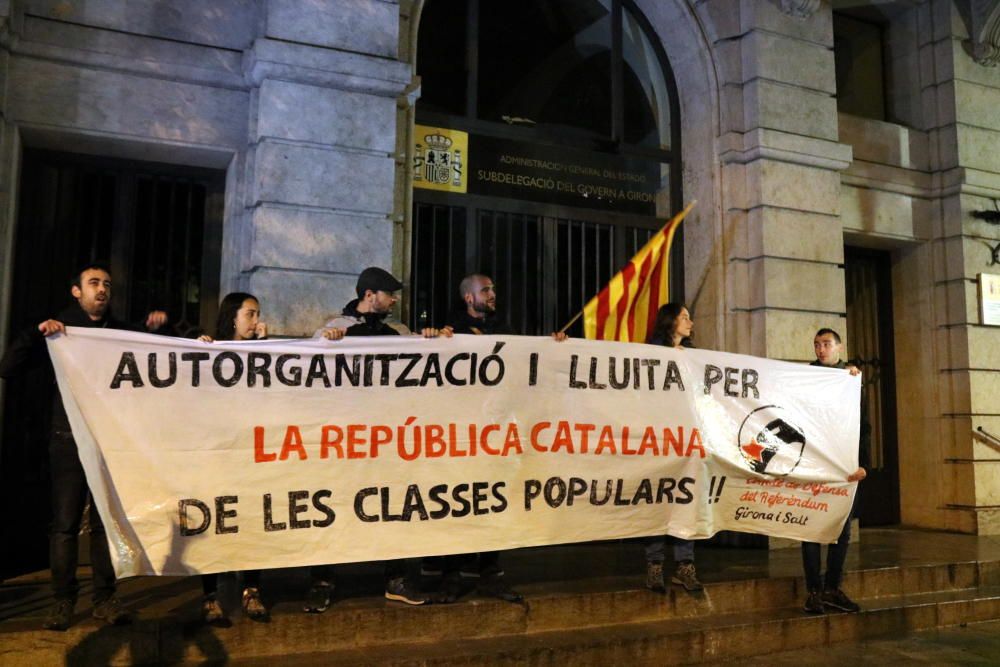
(366, 316)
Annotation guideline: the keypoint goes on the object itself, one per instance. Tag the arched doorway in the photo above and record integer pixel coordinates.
(547, 150)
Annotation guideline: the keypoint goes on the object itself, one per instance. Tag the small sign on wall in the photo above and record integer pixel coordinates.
(454, 161)
(439, 159)
(989, 298)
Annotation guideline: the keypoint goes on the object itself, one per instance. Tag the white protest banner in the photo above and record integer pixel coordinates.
(206, 457)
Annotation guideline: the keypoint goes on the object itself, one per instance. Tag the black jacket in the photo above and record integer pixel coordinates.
(369, 324)
(463, 323)
(28, 351)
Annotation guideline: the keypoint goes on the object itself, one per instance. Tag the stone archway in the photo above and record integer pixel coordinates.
(686, 39)
(687, 42)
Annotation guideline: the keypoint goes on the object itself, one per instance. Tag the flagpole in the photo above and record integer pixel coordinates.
(570, 323)
(682, 215)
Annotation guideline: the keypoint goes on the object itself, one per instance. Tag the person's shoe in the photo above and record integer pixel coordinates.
(318, 598)
(686, 576)
(496, 587)
(654, 577)
(60, 616)
(212, 613)
(112, 612)
(253, 606)
(452, 588)
(398, 590)
(836, 599)
(814, 603)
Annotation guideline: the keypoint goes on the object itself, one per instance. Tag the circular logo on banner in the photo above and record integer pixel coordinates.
(769, 443)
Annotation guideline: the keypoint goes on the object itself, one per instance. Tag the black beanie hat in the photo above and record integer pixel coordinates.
(377, 280)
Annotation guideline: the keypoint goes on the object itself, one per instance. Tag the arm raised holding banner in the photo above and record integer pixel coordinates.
(91, 290)
(825, 592)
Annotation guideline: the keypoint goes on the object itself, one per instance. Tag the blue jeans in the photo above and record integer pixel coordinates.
(656, 549)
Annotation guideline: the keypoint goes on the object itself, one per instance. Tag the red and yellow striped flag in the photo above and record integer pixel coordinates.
(625, 310)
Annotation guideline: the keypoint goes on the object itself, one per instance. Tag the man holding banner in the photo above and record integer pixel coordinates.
(478, 317)
(825, 592)
(365, 316)
(91, 287)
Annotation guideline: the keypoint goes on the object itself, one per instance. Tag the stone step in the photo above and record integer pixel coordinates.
(168, 631)
(682, 641)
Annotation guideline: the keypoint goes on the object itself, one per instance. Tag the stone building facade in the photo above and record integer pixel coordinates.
(308, 109)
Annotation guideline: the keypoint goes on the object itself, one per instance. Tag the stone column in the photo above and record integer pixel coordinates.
(949, 473)
(781, 183)
(320, 164)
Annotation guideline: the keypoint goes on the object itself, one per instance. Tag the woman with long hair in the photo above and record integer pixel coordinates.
(673, 328)
(239, 319)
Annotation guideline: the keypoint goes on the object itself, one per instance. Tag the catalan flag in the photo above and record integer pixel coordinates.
(625, 310)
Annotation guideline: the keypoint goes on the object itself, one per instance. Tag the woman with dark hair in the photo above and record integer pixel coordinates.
(672, 328)
(239, 319)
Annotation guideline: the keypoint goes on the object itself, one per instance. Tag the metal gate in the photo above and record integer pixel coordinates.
(545, 268)
(159, 227)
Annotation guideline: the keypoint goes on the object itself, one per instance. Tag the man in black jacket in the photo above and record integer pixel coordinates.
(377, 291)
(824, 592)
(366, 316)
(91, 288)
(478, 317)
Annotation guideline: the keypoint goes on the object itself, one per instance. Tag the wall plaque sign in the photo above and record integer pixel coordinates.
(989, 299)
(454, 161)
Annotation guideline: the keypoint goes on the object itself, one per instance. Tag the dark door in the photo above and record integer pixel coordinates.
(159, 228)
(869, 339)
(546, 265)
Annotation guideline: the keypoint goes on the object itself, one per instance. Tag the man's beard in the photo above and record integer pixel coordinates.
(483, 307)
(97, 308)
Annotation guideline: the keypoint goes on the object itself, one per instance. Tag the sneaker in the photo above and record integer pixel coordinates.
(686, 576)
(253, 607)
(838, 600)
(496, 587)
(399, 590)
(318, 598)
(60, 616)
(814, 603)
(212, 613)
(654, 577)
(112, 612)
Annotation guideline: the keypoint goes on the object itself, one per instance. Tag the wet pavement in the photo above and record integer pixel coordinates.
(563, 568)
(972, 644)
(545, 571)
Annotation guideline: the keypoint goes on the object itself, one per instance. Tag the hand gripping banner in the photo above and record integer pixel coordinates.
(207, 457)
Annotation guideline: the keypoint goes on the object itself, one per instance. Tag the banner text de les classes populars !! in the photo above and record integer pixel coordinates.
(307, 509)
